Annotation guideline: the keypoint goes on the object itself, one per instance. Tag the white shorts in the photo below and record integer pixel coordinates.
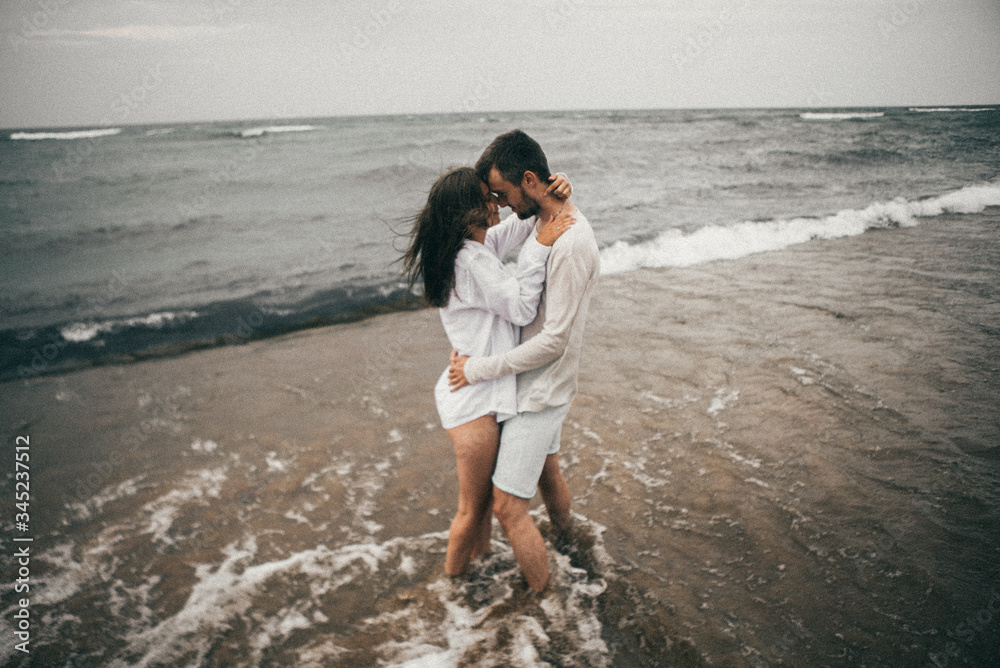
(526, 440)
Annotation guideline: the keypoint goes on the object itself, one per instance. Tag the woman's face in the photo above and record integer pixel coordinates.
(492, 204)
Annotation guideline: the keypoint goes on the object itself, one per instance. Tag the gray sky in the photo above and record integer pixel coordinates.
(119, 62)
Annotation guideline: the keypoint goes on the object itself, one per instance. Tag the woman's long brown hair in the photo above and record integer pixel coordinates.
(455, 204)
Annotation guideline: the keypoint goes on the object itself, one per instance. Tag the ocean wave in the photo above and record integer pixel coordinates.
(840, 116)
(929, 110)
(865, 156)
(80, 332)
(409, 615)
(676, 249)
(75, 240)
(232, 319)
(73, 134)
(272, 129)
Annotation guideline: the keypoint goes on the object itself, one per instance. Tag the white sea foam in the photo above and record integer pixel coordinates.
(66, 577)
(802, 376)
(676, 249)
(722, 400)
(668, 403)
(927, 110)
(475, 629)
(637, 470)
(227, 592)
(240, 590)
(80, 332)
(273, 129)
(95, 504)
(164, 510)
(275, 464)
(840, 116)
(207, 446)
(970, 199)
(71, 134)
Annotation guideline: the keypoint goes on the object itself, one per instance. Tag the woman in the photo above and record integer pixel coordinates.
(456, 248)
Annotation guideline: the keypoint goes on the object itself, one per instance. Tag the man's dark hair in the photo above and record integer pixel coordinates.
(513, 153)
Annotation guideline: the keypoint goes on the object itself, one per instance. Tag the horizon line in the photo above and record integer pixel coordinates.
(610, 110)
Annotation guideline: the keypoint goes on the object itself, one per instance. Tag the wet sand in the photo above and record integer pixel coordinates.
(793, 456)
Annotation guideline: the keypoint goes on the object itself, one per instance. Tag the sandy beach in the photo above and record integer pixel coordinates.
(786, 459)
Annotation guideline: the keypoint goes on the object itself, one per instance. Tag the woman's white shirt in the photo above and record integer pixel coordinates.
(485, 313)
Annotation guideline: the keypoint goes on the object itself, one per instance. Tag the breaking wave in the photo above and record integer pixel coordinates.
(840, 116)
(273, 129)
(673, 248)
(80, 332)
(72, 134)
(930, 110)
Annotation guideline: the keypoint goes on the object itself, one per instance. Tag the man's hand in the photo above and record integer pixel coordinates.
(456, 371)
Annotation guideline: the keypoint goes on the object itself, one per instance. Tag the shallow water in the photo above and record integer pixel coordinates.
(788, 459)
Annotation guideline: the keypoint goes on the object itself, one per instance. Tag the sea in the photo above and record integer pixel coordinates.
(124, 243)
(789, 481)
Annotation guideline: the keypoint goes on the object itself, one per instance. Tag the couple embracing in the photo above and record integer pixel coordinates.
(516, 339)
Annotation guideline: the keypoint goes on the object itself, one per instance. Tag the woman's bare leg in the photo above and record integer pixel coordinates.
(476, 445)
(484, 534)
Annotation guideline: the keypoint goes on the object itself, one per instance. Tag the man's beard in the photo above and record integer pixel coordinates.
(533, 206)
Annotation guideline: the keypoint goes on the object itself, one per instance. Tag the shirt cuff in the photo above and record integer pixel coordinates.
(478, 369)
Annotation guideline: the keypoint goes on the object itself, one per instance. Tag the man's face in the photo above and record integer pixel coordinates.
(513, 196)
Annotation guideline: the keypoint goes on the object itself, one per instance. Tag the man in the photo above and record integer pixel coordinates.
(546, 362)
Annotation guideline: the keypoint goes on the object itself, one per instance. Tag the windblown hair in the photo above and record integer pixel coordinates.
(513, 153)
(454, 206)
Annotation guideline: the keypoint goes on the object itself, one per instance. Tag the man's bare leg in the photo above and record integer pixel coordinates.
(555, 493)
(524, 537)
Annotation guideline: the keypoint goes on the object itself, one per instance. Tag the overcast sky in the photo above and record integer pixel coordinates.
(118, 62)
